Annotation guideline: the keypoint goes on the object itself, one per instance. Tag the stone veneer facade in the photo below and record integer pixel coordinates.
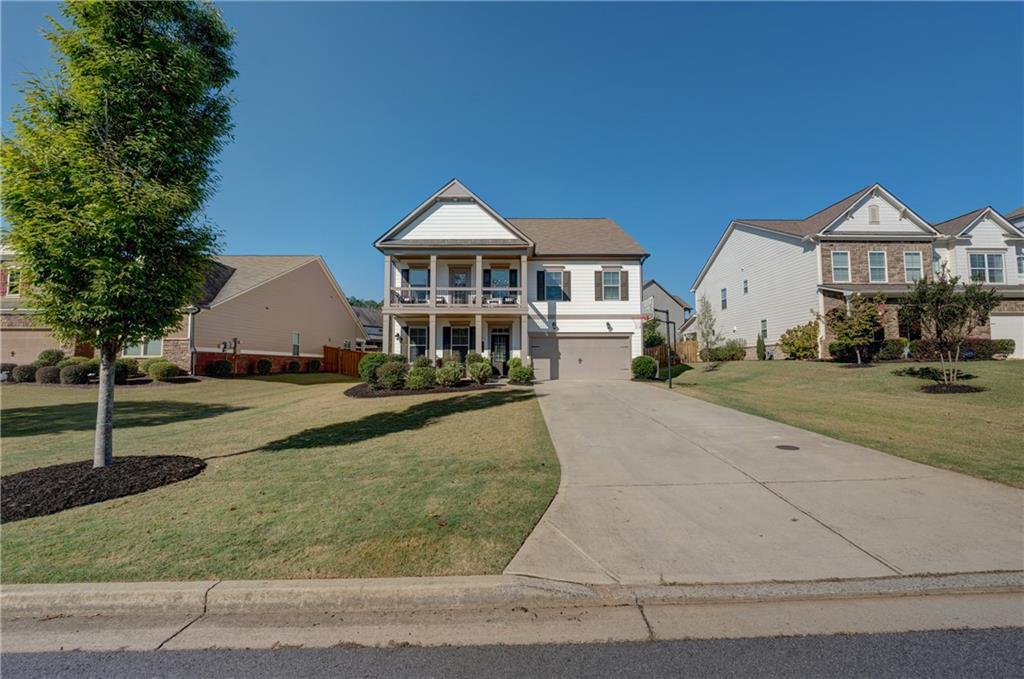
(859, 259)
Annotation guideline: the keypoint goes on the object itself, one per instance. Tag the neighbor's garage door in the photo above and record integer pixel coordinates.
(1009, 327)
(581, 358)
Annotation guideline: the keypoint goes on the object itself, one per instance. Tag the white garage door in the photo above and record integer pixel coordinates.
(1010, 327)
(581, 358)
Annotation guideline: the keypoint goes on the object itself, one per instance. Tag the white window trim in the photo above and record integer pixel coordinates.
(885, 266)
(874, 216)
(617, 285)
(296, 346)
(986, 254)
(849, 273)
(906, 269)
(10, 290)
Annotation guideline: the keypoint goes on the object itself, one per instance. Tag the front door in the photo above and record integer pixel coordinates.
(499, 349)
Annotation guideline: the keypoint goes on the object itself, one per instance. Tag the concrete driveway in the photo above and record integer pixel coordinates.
(662, 488)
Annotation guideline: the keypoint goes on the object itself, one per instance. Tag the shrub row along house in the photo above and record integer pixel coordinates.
(768, 275)
(563, 295)
(280, 308)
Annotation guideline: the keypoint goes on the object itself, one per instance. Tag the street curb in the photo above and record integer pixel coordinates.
(232, 597)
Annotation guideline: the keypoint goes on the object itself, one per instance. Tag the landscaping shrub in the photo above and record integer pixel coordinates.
(644, 368)
(421, 377)
(520, 374)
(146, 362)
(131, 365)
(48, 357)
(975, 347)
(76, 373)
(391, 375)
(162, 371)
(24, 373)
(762, 353)
(800, 341)
(449, 374)
(513, 362)
(844, 353)
(422, 362)
(473, 357)
(480, 371)
(1003, 346)
(121, 372)
(731, 350)
(7, 367)
(48, 374)
(219, 368)
(264, 366)
(892, 349)
(313, 366)
(369, 364)
(293, 367)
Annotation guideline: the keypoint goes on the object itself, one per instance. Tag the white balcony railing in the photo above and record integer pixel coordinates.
(419, 296)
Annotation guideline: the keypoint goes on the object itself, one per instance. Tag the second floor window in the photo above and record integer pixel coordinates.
(725, 298)
(1020, 265)
(876, 267)
(610, 284)
(553, 285)
(987, 267)
(744, 286)
(764, 328)
(840, 267)
(913, 266)
(419, 278)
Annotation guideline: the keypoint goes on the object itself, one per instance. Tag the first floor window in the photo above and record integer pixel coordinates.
(553, 285)
(460, 341)
(840, 267)
(987, 267)
(295, 344)
(1020, 264)
(725, 298)
(610, 281)
(153, 347)
(417, 342)
(876, 267)
(914, 266)
(764, 328)
(13, 282)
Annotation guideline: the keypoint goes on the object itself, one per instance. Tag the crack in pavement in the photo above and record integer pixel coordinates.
(188, 624)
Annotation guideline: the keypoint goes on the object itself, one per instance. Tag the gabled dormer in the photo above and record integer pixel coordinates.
(877, 214)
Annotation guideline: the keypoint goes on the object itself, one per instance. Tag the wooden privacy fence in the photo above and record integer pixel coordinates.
(343, 361)
(686, 352)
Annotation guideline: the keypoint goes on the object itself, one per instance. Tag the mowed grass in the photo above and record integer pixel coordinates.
(302, 482)
(979, 434)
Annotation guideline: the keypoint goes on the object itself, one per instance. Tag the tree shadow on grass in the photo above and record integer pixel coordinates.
(53, 419)
(389, 422)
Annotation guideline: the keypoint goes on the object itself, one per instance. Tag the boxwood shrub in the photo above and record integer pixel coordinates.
(162, 371)
(264, 366)
(520, 374)
(480, 371)
(313, 366)
(449, 374)
(892, 349)
(924, 350)
(422, 362)
(131, 365)
(513, 362)
(369, 364)
(391, 375)
(24, 373)
(48, 374)
(146, 362)
(76, 373)
(473, 357)
(49, 357)
(292, 367)
(421, 377)
(220, 368)
(644, 368)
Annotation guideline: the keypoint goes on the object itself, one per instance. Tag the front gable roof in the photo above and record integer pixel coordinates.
(453, 192)
(958, 226)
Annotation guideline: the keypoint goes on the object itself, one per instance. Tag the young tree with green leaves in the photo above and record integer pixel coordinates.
(855, 325)
(708, 336)
(109, 163)
(652, 333)
(948, 314)
(762, 351)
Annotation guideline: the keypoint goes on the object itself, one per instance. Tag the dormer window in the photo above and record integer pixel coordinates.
(873, 215)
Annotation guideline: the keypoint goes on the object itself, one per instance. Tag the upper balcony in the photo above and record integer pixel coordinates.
(457, 298)
(487, 284)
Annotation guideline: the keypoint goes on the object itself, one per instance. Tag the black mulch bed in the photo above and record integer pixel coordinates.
(48, 490)
(363, 390)
(951, 389)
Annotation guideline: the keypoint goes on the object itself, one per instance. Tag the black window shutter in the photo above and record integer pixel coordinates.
(487, 278)
(598, 285)
(446, 338)
(566, 285)
(472, 338)
(540, 286)
(513, 278)
(624, 286)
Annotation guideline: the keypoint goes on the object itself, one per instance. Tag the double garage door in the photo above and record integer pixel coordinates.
(600, 357)
(1009, 327)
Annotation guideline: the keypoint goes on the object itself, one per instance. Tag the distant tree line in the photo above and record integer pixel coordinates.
(367, 303)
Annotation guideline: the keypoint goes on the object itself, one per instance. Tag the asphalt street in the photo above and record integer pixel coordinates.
(969, 653)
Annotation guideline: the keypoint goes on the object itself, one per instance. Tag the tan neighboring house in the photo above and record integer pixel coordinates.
(279, 307)
(562, 294)
(768, 275)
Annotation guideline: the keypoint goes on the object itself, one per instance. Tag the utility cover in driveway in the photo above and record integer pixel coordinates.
(581, 358)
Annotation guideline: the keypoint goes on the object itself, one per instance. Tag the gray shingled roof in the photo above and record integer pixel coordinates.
(577, 236)
(952, 227)
(234, 274)
(1019, 212)
(369, 317)
(809, 225)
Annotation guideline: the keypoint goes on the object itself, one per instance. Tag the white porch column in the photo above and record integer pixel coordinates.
(478, 276)
(433, 282)
(387, 281)
(524, 339)
(432, 338)
(387, 337)
(479, 348)
(522, 281)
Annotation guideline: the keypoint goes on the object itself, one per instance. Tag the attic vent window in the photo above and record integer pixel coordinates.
(873, 214)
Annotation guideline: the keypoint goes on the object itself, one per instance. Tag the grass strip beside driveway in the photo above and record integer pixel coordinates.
(301, 482)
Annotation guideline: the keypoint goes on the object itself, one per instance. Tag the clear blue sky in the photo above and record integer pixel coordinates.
(669, 118)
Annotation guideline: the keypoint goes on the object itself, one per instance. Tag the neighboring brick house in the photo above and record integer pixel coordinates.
(768, 275)
(281, 308)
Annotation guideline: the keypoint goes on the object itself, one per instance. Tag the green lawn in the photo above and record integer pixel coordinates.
(302, 482)
(979, 434)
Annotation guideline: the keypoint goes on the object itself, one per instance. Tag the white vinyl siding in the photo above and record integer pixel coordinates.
(889, 219)
(913, 266)
(840, 266)
(876, 267)
(455, 221)
(990, 238)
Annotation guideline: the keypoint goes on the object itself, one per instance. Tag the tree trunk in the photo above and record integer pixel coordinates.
(103, 452)
(857, 351)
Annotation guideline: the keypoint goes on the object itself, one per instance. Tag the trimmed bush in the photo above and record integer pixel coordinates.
(449, 374)
(391, 375)
(264, 366)
(480, 371)
(293, 367)
(121, 372)
(7, 367)
(731, 350)
(76, 373)
(892, 349)
(422, 362)
(421, 377)
(974, 347)
(473, 357)
(48, 357)
(762, 352)
(219, 368)
(644, 368)
(800, 341)
(24, 373)
(314, 365)
(520, 374)
(513, 362)
(162, 371)
(48, 374)
(369, 364)
(1003, 346)
(131, 365)
(146, 362)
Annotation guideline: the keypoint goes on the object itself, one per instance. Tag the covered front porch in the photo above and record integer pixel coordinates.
(494, 335)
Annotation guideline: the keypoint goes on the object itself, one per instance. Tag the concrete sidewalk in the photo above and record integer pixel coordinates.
(658, 487)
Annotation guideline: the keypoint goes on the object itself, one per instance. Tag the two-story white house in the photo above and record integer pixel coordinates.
(768, 275)
(563, 294)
